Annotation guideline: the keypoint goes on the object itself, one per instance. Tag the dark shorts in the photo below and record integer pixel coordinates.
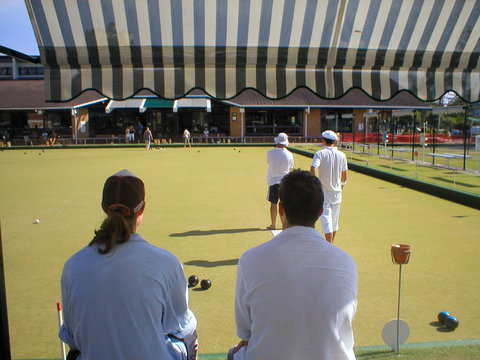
(273, 193)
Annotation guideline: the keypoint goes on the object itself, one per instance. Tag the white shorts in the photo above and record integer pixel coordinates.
(329, 218)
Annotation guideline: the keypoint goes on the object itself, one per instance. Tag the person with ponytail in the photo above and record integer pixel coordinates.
(124, 298)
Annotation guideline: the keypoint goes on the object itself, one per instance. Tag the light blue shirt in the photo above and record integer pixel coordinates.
(121, 305)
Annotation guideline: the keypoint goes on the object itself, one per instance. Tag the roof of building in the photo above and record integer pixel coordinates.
(303, 97)
(30, 94)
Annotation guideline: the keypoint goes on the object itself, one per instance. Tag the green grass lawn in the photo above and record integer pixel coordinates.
(207, 205)
(452, 352)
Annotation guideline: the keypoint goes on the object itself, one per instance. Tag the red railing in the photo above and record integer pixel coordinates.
(405, 139)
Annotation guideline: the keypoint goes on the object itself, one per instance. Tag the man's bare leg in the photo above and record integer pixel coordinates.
(330, 237)
(273, 216)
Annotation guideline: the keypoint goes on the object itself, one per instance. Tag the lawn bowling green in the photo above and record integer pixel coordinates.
(208, 207)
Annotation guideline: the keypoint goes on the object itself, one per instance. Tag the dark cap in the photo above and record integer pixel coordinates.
(125, 191)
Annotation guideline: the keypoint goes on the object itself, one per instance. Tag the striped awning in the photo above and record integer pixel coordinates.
(170, 47)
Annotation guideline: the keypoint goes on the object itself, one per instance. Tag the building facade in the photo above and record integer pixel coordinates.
(25, 115)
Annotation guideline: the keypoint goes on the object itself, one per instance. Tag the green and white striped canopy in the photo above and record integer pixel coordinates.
(118, 47)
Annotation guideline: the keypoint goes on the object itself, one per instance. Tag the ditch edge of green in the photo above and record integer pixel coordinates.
(456, 196)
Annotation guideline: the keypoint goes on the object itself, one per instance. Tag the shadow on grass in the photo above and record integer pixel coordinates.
(392, 168)
(379, 354)
(214, 232)
(440, 327)
(444, 329)
(198, 289)
(451, 182)
(206, 263)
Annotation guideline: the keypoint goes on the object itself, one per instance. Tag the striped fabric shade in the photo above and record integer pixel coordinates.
(119, 47)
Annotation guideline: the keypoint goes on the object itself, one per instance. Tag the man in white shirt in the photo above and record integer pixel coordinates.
(186, 138)
(280, 162)
(332, 172)
(296, 294)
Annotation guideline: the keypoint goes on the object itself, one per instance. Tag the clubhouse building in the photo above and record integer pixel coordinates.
(247, 117)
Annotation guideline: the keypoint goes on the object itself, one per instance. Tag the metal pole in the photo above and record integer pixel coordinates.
(365, 131)
(305, 125)
(398, 312)
(76, 129)
(60, 323)
(5, 352)
(435, 136)
(242, 112)
(392, 145)
(354, 129)
(378, 133)
(465, 139)
(413, 133)
(424, 139)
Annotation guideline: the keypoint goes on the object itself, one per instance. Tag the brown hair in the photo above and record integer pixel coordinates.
(122, 201)
(115, 229)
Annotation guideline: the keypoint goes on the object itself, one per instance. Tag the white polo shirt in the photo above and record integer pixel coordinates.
(280, 162)
(295, 299)
(330, 163)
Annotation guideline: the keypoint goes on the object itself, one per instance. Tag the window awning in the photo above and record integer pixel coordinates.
(170, 47)
(130, 103)
(158, 103)
(192, 103)
(449, 110)
(403, 112)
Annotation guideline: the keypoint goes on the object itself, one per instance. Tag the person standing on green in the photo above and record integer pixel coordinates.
(280, 162)
(331, 165)
(147, 135)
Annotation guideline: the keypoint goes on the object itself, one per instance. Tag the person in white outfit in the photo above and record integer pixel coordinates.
(186, 138)
(296, 295)
(332, 168)
(280, 162)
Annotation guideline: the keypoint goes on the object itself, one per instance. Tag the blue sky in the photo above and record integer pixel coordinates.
(15, 27)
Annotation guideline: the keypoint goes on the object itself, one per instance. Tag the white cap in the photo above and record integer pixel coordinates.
(330, 135)
(281, 139)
